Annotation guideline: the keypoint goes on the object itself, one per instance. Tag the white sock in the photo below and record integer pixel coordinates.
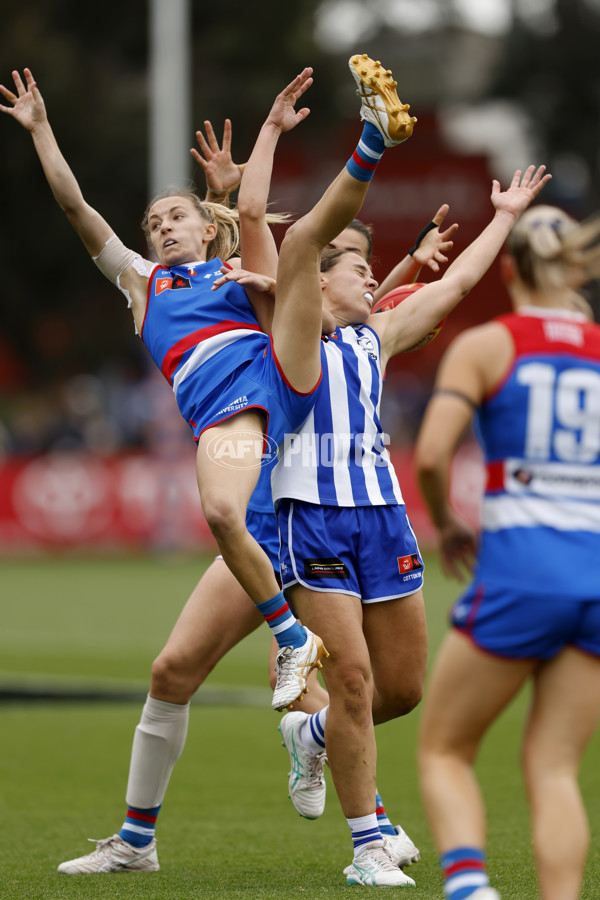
(157, 744)
(365, 833)
(312, 732)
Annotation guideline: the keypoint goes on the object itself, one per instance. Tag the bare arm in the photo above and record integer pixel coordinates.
(259, 253)
(29, 110)
(430, 251)
(470, 369)
(401, 328)
(448, 415)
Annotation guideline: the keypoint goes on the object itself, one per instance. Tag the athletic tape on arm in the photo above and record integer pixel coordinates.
(115, 257)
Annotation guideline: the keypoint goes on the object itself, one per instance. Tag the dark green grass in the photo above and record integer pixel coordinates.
(227, 828)
(97, 620)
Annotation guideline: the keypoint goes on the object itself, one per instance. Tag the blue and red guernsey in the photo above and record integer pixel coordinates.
(540, 433)
(196, 336)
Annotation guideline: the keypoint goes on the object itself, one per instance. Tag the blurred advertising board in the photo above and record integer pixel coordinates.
(143, 503)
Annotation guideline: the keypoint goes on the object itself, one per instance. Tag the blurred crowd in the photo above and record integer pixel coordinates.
(120, 409)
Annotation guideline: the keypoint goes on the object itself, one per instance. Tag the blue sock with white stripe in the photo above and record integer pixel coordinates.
(365, 833)
(464, 872)
(139, 826)
(369, 150)
(385, 826)
(312, 732)
(281, 620)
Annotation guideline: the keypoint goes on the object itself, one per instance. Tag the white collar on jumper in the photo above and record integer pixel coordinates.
(552, 312)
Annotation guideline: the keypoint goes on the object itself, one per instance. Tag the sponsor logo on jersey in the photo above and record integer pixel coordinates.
(180, 281)
(162, 284)
(408, 563)
(332, 567)
(367, 344)
(523, 476)
(168, 282)
(556, 480)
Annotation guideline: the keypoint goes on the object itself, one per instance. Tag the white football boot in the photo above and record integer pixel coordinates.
(373, 867)
(293, 666)
(113, 854)
(400, 848)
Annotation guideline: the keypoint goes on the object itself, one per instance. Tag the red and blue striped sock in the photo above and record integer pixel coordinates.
(464, 872)
(139, 826)
(281, 620)
(385, 826)
(369, 150)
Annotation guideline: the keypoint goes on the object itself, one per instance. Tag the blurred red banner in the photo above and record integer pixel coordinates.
(142, 503)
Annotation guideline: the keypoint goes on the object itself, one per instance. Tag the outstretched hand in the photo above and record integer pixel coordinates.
(283, 113)
(220, 171)
(261, 283)
(523, 189)
(27, 104)
(432, 250)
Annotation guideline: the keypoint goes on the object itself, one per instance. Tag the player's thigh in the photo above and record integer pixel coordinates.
(565, 710)
(337, 619)
(467, 690)
(396, 635)
(228, 461)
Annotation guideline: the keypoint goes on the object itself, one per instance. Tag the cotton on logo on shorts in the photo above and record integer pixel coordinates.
(234, 448)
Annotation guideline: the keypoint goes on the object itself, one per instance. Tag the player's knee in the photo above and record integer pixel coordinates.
(223, 517)
(172, 679)
(545, 765)
(399, 700)
(354, 686)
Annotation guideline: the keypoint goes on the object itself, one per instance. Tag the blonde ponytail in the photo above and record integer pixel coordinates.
(553, 251)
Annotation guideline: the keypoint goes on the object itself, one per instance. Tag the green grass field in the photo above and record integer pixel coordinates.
(227, 828)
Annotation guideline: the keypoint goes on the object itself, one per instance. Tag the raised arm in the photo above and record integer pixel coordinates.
(259, 253)
(28, 108)
(429, 250)
(401, 328)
